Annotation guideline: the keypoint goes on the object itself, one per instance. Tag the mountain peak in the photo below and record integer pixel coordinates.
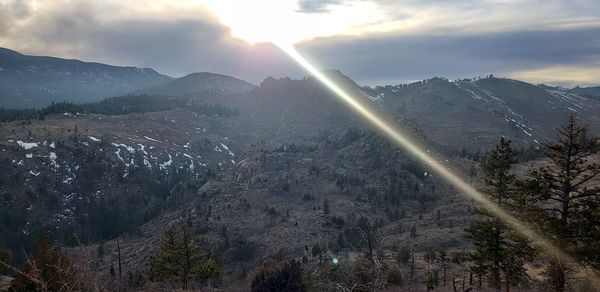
(268, 82)
(4, 52)
(336, 74)
(203, 74)
(202, 82)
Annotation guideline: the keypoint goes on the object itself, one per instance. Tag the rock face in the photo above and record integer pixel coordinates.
(211, 188)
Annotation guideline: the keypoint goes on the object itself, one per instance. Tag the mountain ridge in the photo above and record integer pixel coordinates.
(36, 81)
(201, 83)
(442, 112)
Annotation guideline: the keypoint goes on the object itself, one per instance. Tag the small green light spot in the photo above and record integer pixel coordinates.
(335, 261)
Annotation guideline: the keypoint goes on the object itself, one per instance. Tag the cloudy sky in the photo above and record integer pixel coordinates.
(374, 42)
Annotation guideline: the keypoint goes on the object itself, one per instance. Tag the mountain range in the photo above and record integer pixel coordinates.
(31, 81)
(260, 172)
(34, 82)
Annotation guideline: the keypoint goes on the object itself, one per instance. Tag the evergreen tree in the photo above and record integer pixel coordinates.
(210, 270)
(413, 231)
(326, 207)
(498, 249)
(179, 259)
(316, 250)
(564, 201)
(443, 258)
(403, 256)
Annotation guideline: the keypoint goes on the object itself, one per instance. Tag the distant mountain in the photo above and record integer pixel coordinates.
(586, 91)
(31, 81)
(474, 113)
(284, 110)
(201, 83)
(445, 114)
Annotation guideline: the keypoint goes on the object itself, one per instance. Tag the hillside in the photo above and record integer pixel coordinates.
(154, 134)
(446, 115)
(273, 201)
(593, 92)
(286, 110)
(100, 176)
(204, 83)
(474, 113)
(274, 172)
(32, 81)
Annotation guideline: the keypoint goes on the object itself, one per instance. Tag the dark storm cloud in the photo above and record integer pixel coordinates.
(174, 47)
(183, 47)
(180, 47)
(401, 58)
(185, 44)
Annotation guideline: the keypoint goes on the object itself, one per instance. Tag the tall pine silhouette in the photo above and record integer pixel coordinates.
(500, 252)
(563, 199)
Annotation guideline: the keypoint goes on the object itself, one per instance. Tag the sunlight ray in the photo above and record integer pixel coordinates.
(402, 140)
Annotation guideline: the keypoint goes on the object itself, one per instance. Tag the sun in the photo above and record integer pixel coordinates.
(284, 21)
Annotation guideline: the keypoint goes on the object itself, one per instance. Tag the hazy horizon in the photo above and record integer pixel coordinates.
(300, 75)
(374, 42)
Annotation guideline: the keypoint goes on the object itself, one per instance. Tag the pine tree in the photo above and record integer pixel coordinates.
(498, 250)
(316, 250)
(179, 259)
(443, 258)
(326, 207)
(413, 231)
(403, 256)
(562, 199)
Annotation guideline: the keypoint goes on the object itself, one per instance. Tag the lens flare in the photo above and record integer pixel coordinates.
(414, 149)
(253, 21)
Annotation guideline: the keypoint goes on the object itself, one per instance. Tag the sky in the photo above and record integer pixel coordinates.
(374, 42)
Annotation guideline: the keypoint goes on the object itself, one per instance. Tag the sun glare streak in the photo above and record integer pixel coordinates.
(413, 148)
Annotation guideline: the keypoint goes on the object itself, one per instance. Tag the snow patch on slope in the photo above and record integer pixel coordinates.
(26, 145)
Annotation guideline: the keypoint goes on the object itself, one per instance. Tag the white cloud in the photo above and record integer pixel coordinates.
(568, 76)
(370, 40)
(279, 20)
